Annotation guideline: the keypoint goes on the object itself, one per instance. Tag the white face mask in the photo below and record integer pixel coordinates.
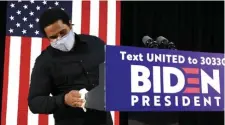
(65, 43)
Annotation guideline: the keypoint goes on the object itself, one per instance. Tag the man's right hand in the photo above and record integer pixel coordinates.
(73, 99)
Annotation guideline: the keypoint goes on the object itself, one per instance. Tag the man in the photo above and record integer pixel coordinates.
(69, 64)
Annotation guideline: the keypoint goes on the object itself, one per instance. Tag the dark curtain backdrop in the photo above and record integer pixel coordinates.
(2, 45)
(192, 26)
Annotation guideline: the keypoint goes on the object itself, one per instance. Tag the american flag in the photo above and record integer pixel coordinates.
(24, 42)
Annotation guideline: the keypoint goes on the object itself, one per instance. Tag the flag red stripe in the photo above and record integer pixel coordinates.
(103, 5)
(85, 19)
(24, 80)
(118, 5)
(5, 80)
(45, 43)
(117, 118)
(103, 20)
(43, 119)
(117, 114)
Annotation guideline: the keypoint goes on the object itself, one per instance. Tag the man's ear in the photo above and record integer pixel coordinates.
(71, 25)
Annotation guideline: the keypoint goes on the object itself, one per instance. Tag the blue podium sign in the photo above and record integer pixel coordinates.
(143, 79)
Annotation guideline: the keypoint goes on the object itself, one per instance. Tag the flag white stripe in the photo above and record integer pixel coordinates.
(36, 45)
(76, 15)
(13, 80)
(113, 116)
(51, 120)
(94, 17)
(111, 25)
(111, 32)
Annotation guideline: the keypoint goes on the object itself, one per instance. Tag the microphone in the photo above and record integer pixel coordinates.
(165, 43)
(149, 42)
(162, 42)
(172, 46)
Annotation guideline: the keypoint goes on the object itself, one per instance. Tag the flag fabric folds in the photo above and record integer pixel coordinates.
(24, 42)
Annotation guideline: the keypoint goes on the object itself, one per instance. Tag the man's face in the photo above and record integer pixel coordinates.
(57, 30)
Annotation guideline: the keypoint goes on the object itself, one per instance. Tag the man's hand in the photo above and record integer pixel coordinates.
(73, 99)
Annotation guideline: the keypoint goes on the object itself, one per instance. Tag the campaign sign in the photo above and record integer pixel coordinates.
(144, 79)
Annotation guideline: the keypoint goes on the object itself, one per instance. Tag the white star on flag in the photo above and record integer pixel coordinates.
(11, 17)
(31, 25)
(24, 19)
(37, 20)
(12, 5)
(11, 30)
(17, 24)
(24, 31)
(18, 12)
(36, 32)
(32, 1)
(25, 6)
(31, 13)
(56, 3)
(38, 7)
(44, 2)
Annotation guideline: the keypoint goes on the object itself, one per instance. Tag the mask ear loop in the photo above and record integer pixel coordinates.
(72, 27)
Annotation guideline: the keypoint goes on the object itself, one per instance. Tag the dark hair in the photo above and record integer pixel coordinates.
(50, 16)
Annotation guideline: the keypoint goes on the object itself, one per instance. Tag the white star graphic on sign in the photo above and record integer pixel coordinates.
(31, 1)
(11, 30)
(24, 19)
(17, 24)
(37, 20)
(12, 5)
(56, 3)
(31, 25)
(62, 8)
(31, 13)
(38, 8)
(44, 2)
(25, 6)
(18, 12)
(36, 32)
(11, 17)
(24, 31)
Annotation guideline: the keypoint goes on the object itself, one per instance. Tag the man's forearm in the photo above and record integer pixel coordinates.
(45, 104)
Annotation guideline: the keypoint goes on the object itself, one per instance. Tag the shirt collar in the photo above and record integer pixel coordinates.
(79, 39)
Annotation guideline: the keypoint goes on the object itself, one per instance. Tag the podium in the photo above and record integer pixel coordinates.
(143, 79)
(95, 99)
